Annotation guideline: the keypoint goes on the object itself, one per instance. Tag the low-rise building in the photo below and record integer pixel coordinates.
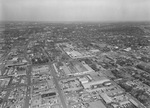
(75, 69)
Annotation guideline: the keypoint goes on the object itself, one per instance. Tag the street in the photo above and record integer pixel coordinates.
(62, 98)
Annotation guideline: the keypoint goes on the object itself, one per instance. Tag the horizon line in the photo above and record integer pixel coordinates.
(148, 21)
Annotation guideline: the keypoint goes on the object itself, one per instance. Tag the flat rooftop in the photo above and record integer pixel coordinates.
(77, 67)
(97, 104)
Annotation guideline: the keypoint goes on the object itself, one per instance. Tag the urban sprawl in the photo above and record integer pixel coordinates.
(89, 65)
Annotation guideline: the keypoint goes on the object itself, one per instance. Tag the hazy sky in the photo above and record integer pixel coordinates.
(75, 10)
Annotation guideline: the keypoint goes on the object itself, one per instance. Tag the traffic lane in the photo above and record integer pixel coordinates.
(27, 99)
(62, 98)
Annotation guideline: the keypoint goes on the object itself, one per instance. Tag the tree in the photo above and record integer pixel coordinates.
(126, 87)
(1, 100)
(93, 66)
